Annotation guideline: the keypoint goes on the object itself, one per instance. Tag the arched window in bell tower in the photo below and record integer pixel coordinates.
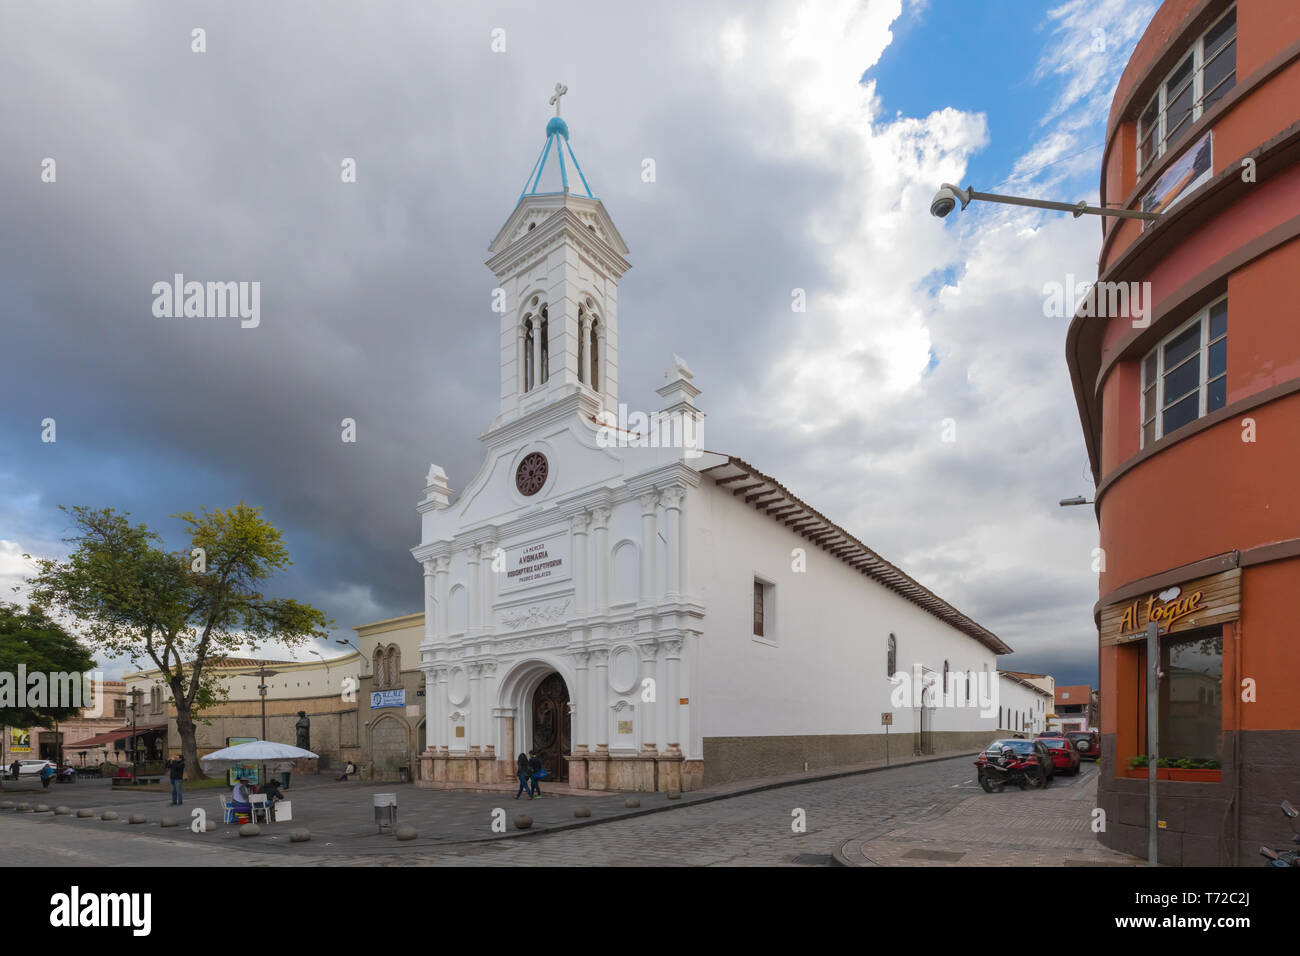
(594, 379)
(545, 333)
(582, 345)
(528, 355)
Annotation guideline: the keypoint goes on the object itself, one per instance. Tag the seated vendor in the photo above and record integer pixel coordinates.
(239, 801)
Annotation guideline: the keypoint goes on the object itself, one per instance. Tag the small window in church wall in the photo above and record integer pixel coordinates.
(891, 656)
(758, 609)
(582, 346)
(593, 379)
(764, 612)
(528, 355)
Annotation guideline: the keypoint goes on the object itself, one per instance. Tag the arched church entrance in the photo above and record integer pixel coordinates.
(552, 726)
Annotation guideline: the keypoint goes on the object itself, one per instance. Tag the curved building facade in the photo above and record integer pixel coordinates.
(1186, 370)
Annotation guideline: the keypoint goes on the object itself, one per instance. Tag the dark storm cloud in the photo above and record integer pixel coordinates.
(375, 301)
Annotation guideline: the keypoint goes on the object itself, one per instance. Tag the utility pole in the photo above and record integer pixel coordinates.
(1153, 735)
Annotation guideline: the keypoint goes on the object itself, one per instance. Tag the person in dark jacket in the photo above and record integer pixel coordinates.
(524, 772)
(535, 768)
(176, 771)
(15, 768)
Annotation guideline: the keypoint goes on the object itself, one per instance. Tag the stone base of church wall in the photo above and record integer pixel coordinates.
(643, 773)
(728, 759)
(450, 771)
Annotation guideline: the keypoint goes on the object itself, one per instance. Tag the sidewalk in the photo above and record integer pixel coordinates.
(1051, 827)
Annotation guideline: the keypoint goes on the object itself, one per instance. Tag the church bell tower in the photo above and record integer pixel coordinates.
(557, 260)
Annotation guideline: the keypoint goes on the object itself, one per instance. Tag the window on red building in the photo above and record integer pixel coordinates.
(1185, 376)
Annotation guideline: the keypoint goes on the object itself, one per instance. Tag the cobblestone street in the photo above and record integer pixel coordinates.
(900, 816)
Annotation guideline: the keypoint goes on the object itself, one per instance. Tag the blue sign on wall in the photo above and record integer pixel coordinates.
(387, 698)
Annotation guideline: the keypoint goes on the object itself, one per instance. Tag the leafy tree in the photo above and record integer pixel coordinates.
(41, 645)
(182, 611)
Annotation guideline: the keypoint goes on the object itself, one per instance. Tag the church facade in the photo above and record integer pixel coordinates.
(646, 614)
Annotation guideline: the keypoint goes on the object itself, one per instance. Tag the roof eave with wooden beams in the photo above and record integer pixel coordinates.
(768, 496)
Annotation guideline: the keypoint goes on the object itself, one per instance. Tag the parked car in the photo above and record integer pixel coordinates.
(1021, 747)
(26, 767)
(1065, 757)
(1087, 742)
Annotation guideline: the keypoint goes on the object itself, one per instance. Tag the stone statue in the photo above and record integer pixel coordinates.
(304, 730)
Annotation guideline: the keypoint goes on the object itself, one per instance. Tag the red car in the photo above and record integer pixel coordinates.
(1065, 758)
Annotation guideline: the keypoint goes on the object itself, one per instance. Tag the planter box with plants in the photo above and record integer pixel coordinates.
(1186, 769)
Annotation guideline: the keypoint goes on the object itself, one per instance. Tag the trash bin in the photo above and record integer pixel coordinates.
(284, 779)
(404, 774)
(385, 810)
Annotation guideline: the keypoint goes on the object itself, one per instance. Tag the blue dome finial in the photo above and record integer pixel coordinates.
(557, 125)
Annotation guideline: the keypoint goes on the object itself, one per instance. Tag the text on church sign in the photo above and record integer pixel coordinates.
(537, 563)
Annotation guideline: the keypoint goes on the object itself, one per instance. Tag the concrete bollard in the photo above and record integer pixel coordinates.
(169, 822)
(523, 821)
(406, 833)
(249, 830)
(138, 818)
(63, 811)
(7, 805)
(24, 807)
(299, 836)
(631, 803)
(85, 814)
(582, 812)
(108, 815)
(674, 794)
(41, 808)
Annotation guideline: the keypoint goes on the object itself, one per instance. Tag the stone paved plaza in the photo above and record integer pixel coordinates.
(876, 817)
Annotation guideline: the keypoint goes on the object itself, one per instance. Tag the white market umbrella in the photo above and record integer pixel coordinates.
(255, 751)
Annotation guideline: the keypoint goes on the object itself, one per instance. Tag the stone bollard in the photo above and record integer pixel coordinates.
(41, 808)
(523, 821)
(169, 822)
(63, 811)
(249, 830)
(299, 836)
(108, 815)
(7, 805)
(582, 812)
(406, 832)
(209, 826)
(24, 807)
(631, 803)
(138, 818)
(85, 814)
(674, 794)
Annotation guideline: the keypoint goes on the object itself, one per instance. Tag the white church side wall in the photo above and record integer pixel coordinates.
(814, 688)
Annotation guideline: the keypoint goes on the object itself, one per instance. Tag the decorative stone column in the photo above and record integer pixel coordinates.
(582, 724)
(472, 742)
(649, 652)
(430, 603)
(441, 568)
(649, 504)
(671, 695)
(579, 524)
(598, 759)
(473, 585)
(599, 602)
(487, 586)
(672, 501)
(600, 700)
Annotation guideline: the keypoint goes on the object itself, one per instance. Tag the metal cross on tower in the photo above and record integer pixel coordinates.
(560, 90)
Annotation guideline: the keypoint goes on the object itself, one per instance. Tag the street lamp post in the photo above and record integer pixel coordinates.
(263, 674)
(946, 199)
(135, 706)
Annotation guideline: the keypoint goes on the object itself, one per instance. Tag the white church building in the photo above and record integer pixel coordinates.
(647, 614)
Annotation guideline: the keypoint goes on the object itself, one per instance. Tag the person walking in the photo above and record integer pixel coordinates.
(15, 768)
(176, 771)
(535, 774)
(47, 774)
(525, 774)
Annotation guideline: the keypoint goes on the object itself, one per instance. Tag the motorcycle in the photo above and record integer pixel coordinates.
(1284, 857)
(996, 770)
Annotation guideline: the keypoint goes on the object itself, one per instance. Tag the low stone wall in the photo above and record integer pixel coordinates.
(727, 759)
